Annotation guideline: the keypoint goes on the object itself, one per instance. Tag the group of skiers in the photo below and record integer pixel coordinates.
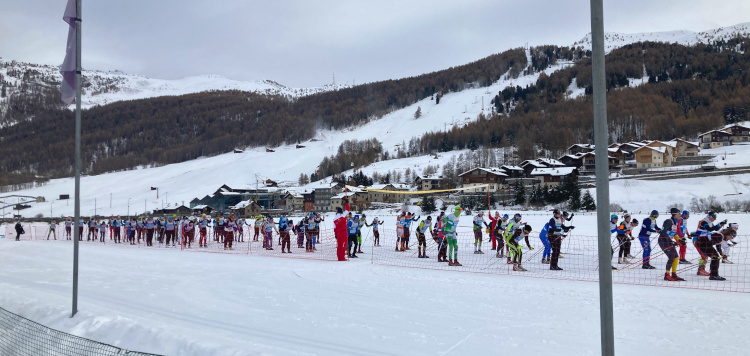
(712, 240)
(172, 230)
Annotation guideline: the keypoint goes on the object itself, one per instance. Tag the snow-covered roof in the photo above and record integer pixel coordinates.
(632, 144)
(384, 186)
(199, 207)
(575, 156)
(511, 168)
(743, 125)
(582, 145)
(594, 154)
(717, 131)
(672, 144)
(613, 149)
(635, 143)
(658, 149)
(532, 162)
(685, 141)
(495, 171)
(241, 205)
(552, 171)
(550, 162)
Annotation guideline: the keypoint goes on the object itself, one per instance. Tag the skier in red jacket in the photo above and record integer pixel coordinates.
(340, 230)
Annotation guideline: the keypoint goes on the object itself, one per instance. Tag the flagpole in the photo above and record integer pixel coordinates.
(78, 159)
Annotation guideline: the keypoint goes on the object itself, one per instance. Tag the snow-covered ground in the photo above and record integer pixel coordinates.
(179, 303)
(613, 40)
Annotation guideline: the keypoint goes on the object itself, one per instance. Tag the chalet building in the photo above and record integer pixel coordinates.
(428, 182)
(380, 193)
(478, 179)
(553, 176)
(308, 200)
(293, 201)
(670, 148)
(589, 163)
(715, 139)
(650, 157)
(512, 171)
(685, 148)
(358, 200)
(575, 161)
(740, 133)
(529, 165)
(201, 209)
(179, 211)
(580, 148)
(627, 149)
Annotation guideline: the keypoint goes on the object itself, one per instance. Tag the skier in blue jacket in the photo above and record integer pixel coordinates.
(644, 236)
(353, 227)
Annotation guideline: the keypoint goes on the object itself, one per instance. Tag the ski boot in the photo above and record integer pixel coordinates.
(717, 278)
(702, 271)
(685, 262)
(648, 266)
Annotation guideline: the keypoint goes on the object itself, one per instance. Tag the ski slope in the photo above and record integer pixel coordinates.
(184, 181)
(613, 40)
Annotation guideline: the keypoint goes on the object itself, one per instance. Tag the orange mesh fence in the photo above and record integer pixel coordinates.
(578, 260)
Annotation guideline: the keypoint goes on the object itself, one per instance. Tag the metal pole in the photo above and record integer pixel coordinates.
(77, 207)
(602, 179)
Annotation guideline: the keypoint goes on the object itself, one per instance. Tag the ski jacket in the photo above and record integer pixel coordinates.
(556, 226)
(477, 223)
(353, 227)
(668, 228)
(706, 227)
(648, 227)
(423, 227)
(407, 222)
(450, 223)
(339, 222)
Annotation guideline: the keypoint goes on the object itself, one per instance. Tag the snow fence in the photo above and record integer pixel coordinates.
(244, 244)
(21, 336)
(579, 259)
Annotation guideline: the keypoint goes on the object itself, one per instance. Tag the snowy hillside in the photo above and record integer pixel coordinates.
(107, 87)
(187, 180)
(614, 40)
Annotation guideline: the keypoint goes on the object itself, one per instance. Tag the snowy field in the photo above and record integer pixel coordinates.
(178, 303)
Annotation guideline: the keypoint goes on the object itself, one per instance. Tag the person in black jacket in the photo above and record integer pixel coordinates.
(554, 234)
(19, 230)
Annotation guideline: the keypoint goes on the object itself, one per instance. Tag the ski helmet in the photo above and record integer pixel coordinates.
(634, 222)
(356, 217)
(429, 217)
(505, 216)
(458, 209)
(613, 217)
(517, 216)
(556, 211)
(685, 213)
(654, 213)
(674, 211)
(712, 214)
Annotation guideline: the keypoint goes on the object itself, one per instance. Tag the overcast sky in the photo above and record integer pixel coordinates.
(303, 43)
